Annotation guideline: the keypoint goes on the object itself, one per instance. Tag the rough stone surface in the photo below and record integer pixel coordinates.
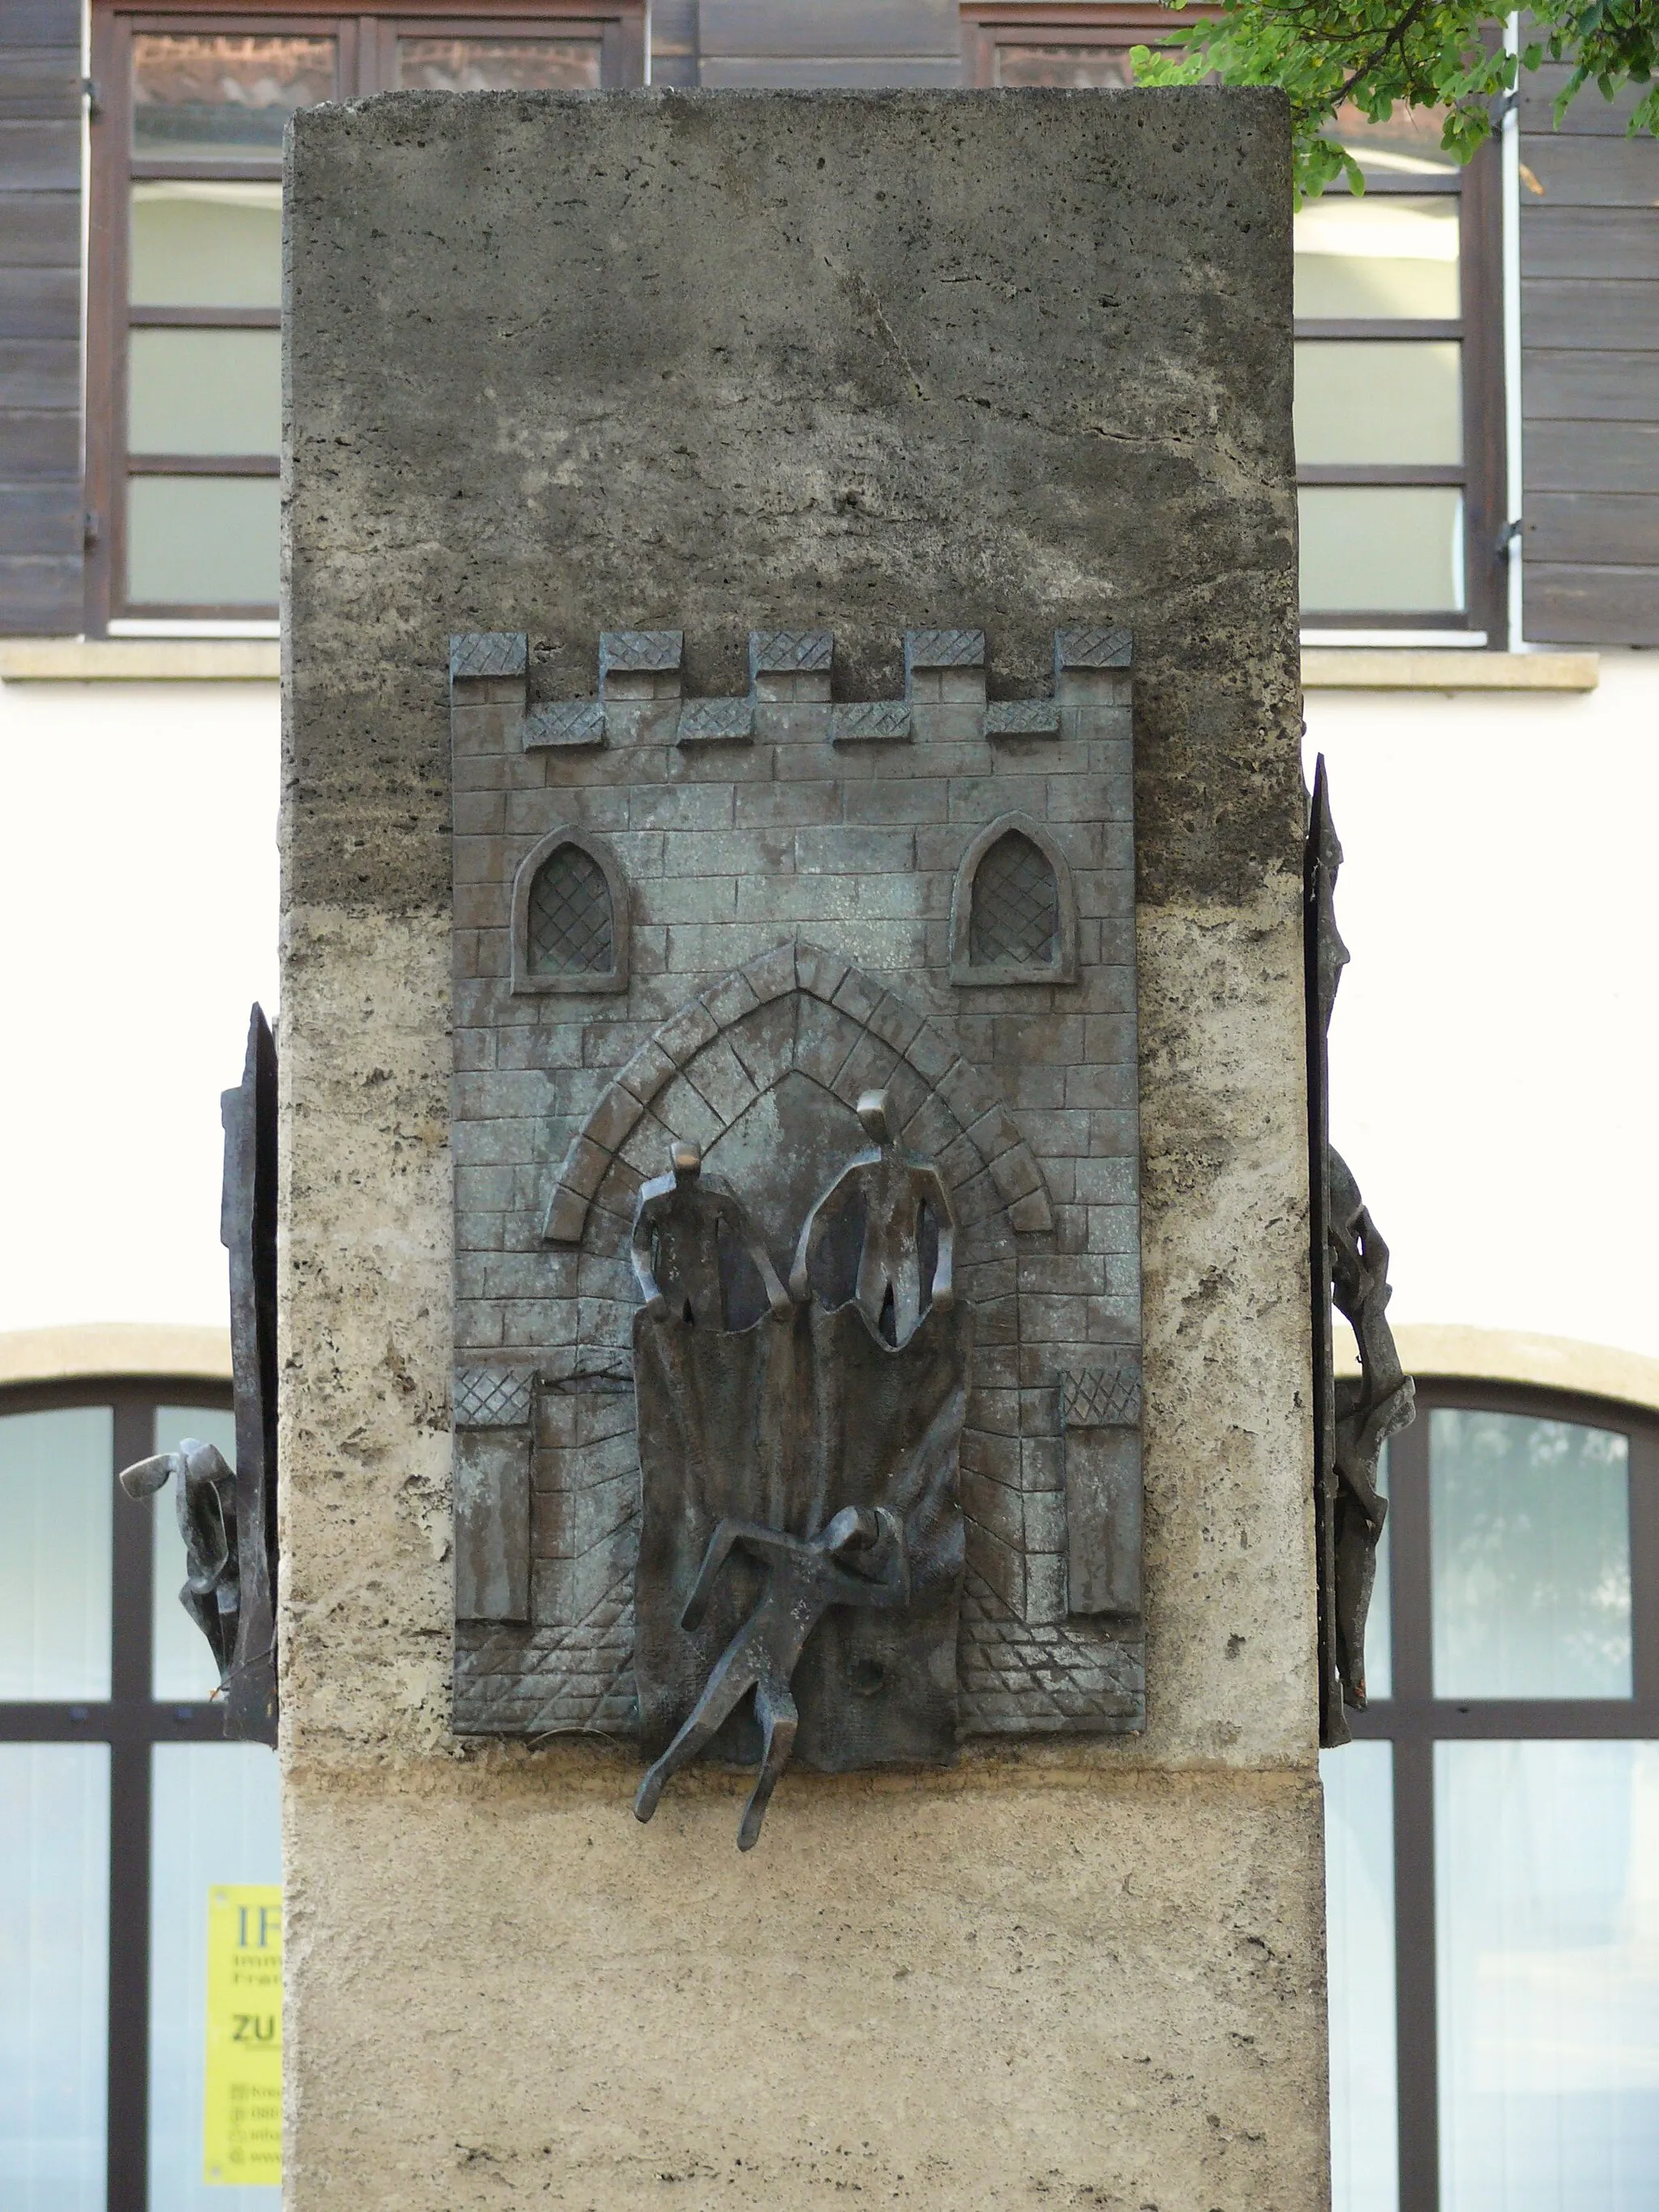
(1003, 362)
(939, 1998)
(1016, 361)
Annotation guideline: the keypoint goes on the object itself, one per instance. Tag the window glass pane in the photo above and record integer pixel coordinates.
(1529, 1538)
(202, 244)
(202, 541)
(215, 96)
(1384, 400)
(204, 391)
(1384, 254)
(54, 1974)
(183, 1672)
(1547, 1916)
(498, 64)
(56, 1471)
(214, 1821)
(1078, 68)
(1359, 1944)
(1381, 549)
(1406, 144)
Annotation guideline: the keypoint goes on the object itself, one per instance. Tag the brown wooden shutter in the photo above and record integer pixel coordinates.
(1589, 329)
(41, 498)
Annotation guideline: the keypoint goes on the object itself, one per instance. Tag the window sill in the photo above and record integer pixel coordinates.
(255, 660)
(1381, 668)
(139, 660)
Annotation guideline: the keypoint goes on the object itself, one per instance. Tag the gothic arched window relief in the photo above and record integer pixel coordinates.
(1014, 917)
(570, 916)
(569, 920)
(1015, 912)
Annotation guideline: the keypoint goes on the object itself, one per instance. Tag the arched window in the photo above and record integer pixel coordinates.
(122, 1806)
(570, 917)
(1015, 912)
(1485, 1829)
(1013, 917)
(570, 925)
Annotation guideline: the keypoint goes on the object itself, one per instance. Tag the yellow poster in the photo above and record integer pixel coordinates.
(242, 2125)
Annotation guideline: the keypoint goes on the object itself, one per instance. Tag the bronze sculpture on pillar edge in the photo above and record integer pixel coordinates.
(1353, 1417)
(227, 1518)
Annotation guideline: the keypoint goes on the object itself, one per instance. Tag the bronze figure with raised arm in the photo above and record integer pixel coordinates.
(894, 1186)
(859, 1559)
(676, 1247)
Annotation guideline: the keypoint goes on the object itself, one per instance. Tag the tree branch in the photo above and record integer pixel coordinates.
(1388, 44)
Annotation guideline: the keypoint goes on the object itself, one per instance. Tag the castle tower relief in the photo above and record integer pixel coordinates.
(937, 914)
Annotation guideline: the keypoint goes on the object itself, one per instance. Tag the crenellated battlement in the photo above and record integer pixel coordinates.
(641, 684)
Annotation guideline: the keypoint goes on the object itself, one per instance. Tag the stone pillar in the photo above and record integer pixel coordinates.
(759, 371)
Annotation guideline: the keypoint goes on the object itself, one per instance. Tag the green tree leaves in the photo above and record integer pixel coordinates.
(1366, 56)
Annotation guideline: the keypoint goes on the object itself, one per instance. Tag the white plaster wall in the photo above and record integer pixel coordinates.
(1495, 1054)
(138, 918)
(1495, 1049)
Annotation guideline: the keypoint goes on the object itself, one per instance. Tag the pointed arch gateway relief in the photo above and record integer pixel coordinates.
(796, 1011)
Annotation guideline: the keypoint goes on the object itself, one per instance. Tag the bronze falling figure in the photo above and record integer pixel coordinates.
(858, 1560)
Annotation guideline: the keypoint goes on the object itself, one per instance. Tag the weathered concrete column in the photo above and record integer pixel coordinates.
(867, 366)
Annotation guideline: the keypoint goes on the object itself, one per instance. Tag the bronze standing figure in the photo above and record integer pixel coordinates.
(676, 1242)
(896, 1187)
